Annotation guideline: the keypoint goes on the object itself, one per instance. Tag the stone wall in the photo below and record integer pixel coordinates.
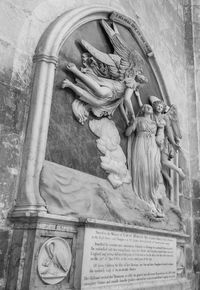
(194, 86)
(167, 27)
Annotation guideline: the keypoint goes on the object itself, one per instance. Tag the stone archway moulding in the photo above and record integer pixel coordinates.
(45, 60)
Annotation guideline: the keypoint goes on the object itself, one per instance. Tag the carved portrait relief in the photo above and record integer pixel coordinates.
(54, 260)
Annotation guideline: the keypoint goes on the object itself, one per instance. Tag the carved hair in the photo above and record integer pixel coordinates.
(156, 103)
(142, 110)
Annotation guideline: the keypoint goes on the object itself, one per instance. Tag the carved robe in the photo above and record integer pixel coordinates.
(145, 161)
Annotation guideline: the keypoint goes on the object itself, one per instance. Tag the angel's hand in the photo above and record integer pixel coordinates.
(176, 147)
(127, 122)
(132, 120)
(137, 93)
(128, 130)
(159, 142)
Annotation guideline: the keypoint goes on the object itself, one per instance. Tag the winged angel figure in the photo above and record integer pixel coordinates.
(106, 81)
(168, 136)
(154, 136)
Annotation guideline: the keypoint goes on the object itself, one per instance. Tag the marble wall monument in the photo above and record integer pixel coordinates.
(98, 201)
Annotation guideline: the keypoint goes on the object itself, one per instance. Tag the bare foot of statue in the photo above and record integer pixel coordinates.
(66, 83)
(71, 66)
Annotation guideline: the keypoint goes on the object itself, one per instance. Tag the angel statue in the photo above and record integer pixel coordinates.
(106, 81)
(168, 136)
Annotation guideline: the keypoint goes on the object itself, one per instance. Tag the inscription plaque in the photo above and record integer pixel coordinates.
(115, 258)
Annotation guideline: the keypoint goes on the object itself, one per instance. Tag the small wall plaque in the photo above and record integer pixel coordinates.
(54, 260)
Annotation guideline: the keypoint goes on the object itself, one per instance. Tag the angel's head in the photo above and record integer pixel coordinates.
(140, 78)
(134, 79)
(158, 106)
(130, 82)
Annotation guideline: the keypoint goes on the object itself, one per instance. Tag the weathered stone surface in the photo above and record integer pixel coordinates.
(197, 232)
(7, 56)
(185, 205)
(9, 154)
(196, 13)
(4, 239)
(196, 207)
(188, 226)
(196, 188)
(11, 16)
(13, 106)
(196, 31)
(196, 262)
(14, 259)
(189, 258)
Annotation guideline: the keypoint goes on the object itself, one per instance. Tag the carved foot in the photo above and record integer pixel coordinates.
(66, 83)
(71, 66)
(81, 111)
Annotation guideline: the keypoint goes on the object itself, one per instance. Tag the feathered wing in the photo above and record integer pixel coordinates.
(123, 62)
(172, 115)
(130, 60)
(120, 47)
(101, 56)
(111, 61)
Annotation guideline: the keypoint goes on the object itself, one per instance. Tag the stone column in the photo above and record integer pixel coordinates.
(29, 199)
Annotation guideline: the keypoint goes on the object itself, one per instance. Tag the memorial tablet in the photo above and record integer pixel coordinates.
(117, 258)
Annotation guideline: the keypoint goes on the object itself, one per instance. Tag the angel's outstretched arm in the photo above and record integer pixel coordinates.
(127, 101)
(131, 128)
(137, 94)
(122, 110)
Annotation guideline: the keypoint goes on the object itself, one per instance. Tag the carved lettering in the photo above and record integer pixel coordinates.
(119, 18)
(118, 258)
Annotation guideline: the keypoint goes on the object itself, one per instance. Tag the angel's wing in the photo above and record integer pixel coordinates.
(123, 62)
(112, 61)
(120, 47)
(101, 56)
(130, 59)
(172, 115)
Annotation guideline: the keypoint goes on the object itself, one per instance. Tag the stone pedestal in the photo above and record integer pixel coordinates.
(98, 255)
(29, 235)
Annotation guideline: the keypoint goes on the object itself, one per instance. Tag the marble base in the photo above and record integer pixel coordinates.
(29, 235)
(108, 248)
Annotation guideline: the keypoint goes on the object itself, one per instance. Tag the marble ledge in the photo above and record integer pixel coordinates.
(35, 220)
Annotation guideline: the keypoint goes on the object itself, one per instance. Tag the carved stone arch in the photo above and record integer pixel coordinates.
(45, 61)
